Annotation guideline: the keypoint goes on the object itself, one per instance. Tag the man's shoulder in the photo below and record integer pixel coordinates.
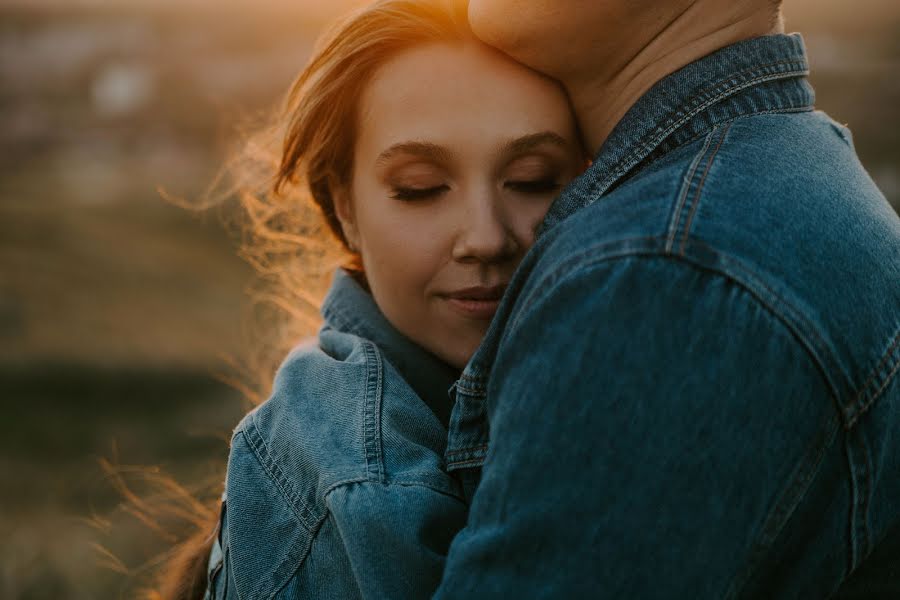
(778, 198)
(793, 164)
(776, 203)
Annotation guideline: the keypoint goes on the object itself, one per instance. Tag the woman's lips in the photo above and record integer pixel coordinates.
(478, 309)
(479, 302)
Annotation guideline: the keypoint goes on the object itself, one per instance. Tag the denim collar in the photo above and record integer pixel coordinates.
(351, 309)
(723, 86)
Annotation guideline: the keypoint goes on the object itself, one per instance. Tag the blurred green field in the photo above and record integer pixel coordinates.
(116, 308)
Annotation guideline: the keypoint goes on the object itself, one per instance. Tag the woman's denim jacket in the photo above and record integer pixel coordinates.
(335, 485)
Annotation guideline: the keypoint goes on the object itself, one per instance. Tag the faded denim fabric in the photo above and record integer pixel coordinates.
(690, 389)
(335, 487)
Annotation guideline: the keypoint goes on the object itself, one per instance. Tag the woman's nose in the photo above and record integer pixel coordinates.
(485, 233)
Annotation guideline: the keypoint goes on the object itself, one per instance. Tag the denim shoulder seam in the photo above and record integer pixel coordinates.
(877, 381)
(803, 328)
(306, 514)
(689, 199)
(799, 480)
(706, 259)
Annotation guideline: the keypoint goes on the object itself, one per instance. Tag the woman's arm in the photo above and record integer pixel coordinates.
(373, 540)
(395, 537)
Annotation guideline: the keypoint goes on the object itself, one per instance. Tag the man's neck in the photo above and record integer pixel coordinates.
(602, 99)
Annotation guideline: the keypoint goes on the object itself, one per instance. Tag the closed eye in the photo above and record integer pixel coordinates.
(535, 186)
(411, 193)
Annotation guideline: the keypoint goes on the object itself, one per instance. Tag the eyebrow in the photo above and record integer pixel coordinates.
(530, 142)
(427, 150)
(440, 154)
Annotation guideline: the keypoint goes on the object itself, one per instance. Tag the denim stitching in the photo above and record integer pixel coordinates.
(344, 482)
(476, 390)
(793, 320)
(858, 463)
(696, 202)
(802, 479)
(443, 492)
(291, 564)
(887, 380)
(372, 410)
(477, 461)
(401, 483)
(477, 387)
(795, 314)
(296, 556)
(468, 449)
(808, 328)
(706, 132)
(575, 260)
(756, 113)
(787, 502)
(696, 105)
(478, 449)
(427, 482)
(867, 498)
(682, 197)
(851, 530)
(267, 462)
(873, 379)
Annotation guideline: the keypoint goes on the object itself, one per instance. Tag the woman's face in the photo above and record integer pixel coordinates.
(459, 153)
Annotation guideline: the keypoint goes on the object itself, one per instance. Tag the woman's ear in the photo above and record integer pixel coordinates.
(343, 209)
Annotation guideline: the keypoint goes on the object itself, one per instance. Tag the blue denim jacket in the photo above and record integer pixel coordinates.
(335, 487)
(690, 389)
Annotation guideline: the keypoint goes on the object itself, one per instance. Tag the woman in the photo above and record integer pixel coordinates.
(433, 159)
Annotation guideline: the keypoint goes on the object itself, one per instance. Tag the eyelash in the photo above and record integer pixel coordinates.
(411, 194)
(535, 187)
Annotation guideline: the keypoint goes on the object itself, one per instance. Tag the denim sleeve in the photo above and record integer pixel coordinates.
(656, 431)
(395, 537)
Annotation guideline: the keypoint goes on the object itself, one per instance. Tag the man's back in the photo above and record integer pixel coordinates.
(691, 390)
